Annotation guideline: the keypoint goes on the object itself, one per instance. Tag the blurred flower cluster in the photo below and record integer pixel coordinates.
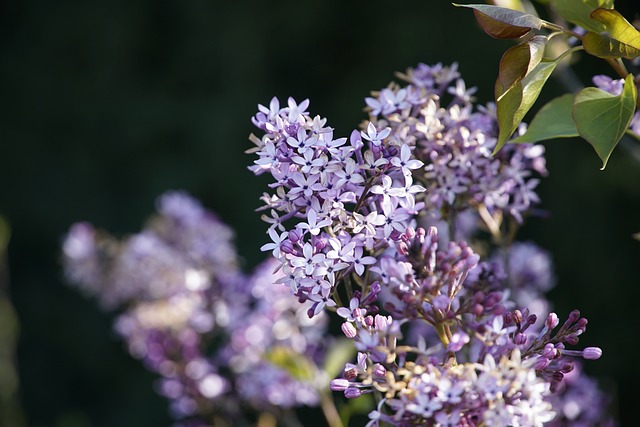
(221, 342)
(406, 229)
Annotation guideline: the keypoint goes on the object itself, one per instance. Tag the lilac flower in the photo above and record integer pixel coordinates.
(424, 156)
(177, 288)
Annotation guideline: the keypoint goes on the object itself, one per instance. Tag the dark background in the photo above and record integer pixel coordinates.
(106, 105)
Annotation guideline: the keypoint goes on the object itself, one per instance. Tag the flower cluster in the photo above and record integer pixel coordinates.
(178, 290)
(350, 221)
(345, 198)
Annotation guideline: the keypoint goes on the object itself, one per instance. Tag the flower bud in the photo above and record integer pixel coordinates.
(541, 363)
(295, 235)
(349, 330)
(552, 321)
(287, 247)
(379, 370)
(352, 393)
(592, 353)
(339, 384)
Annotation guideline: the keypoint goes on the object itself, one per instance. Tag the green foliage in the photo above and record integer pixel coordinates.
(595, 115)
(518, 100)
(517, 62)
(553, 120)
(578, 12)
(503, 23)
(602, 118)
(619, 39)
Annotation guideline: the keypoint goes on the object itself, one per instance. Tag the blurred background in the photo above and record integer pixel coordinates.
(105, 105)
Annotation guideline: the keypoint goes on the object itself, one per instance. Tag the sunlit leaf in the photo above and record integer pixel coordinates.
(578, 12)
(511, 4)
(517, 62)
(553, 120)
(515, 102)
(602, 118)
(503, 23)
(618, 39)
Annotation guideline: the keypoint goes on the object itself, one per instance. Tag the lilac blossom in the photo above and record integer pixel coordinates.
(360, 233)
(177, 288)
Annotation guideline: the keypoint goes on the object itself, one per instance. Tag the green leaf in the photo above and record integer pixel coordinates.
(602, 118)
(503, 23)
(297, 365)
(553, 120)
(517, 62)
(578, 12)
(619, 39)
(515, 102)
(340, 353)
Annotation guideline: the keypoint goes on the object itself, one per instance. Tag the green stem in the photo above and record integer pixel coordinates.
(330, 411)
(618, 66)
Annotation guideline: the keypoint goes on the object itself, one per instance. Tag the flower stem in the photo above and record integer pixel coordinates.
(330, 411)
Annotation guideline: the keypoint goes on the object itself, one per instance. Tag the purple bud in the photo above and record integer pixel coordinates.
(573, 316)
(339, 384)
(411, 233)
(295, 235)
(379, 370)
(549, 351)
(531, 320)
(368, 321)
(355, 139)
(592, 353)
(402, 248)
(508, 318)
(381, 322)
(517, 317)
(582, 323)
(312, 310)
(352, 393)
(319, 243)
(287, 247)
(541, 363)
(395, 235)
(372, 296)
(477, 310)
(567, 367)
(349, 330)
(552, 321)
(572, 339)
(520, 339)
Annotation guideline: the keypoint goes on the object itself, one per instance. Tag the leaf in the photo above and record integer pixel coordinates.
(602, 118)
(297, 365)
(578, 12)
(618, 39)
(339, 354)
(517, 62)
(503, 23)
(553, 120)
(515, 102)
